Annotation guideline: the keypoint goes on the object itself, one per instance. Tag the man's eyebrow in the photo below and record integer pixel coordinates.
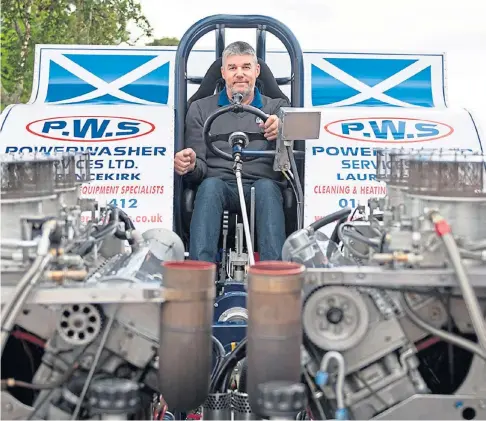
(244, 64)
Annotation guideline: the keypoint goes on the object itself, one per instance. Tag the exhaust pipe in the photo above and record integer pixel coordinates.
(274, 329)
(185, 347)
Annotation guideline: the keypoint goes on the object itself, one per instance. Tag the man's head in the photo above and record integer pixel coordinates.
(240, 69)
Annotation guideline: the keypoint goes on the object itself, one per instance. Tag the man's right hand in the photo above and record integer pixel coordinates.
(184, 161)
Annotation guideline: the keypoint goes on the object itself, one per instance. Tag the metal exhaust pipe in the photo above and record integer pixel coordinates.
(185, 347)
(217, 406)
(274, 329)
(241, 406)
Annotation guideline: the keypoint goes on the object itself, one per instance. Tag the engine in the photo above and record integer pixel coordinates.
(395, 300)
(383, 319)
(82, 287)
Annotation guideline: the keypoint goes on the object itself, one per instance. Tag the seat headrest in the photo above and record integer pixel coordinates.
(213, 81)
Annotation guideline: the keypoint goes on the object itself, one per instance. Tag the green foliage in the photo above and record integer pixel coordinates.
(26, 23)
(165, 42)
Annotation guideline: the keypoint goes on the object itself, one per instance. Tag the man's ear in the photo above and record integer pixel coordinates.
(257, 69)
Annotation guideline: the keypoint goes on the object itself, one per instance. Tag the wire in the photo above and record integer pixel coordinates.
(299, 215)
(293, 165)
(42, 386)
(24, 287)
(477, 319)
(446, 336)
(313, 390)
(96, 359)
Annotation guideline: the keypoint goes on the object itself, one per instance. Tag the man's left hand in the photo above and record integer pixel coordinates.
(271, 127)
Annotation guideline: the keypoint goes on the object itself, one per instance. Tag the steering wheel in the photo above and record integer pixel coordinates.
(209, 139)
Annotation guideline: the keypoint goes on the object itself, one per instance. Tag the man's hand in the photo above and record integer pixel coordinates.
(271, 127)
(184, 161)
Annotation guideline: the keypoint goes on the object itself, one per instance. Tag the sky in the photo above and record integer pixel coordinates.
(337, 24)
(412, 26)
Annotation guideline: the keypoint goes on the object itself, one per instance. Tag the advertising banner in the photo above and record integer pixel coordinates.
(131, 152)
(340, 167)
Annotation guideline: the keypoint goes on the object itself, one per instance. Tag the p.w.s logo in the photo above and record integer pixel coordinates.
(389, 130)
(90, 128)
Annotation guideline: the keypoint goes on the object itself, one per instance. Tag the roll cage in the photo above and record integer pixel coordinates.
(219, 23)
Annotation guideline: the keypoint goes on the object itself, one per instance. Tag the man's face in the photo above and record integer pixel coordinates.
(240, 74)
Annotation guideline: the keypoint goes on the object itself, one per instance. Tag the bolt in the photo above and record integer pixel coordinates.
(8, 407)
(215, 304)
(435, 313)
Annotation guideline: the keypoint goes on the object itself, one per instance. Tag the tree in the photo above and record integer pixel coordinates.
(26, 23)
(164, 42)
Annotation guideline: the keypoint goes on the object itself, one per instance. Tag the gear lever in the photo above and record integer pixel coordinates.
(238, 141)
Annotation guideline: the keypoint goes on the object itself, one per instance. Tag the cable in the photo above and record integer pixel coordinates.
(16, 303)
(229, 362)
(300, 199)
(96, 359)
(446, 336)
(322, 375)
(219, 346)
(329, 219)
(42, 386)
(299, 215)
(443, 230)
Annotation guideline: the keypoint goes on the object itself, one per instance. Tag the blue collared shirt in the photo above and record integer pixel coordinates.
(257, 99)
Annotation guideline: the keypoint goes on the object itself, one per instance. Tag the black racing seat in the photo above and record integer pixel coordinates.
(211, 84)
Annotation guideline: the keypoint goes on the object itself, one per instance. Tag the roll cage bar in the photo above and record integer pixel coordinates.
(219, 23)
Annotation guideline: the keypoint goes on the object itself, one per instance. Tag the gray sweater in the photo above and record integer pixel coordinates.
(208, 164)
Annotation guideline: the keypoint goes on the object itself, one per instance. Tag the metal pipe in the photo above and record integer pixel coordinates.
(185, 344)
(244, 214)
(217, 406)
(252, 215)
(274, 329)
(338, 357)
(24, 287)
(11, 243)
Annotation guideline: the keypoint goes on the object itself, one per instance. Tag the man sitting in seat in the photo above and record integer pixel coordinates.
(218, 189)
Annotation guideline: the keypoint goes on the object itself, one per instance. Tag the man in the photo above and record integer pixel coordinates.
(218, 189)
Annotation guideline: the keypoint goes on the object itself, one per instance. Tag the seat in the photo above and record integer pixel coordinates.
(211, 83)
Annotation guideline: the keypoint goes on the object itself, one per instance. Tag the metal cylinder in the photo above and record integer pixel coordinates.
(241, 406)
(274, 329)
(185, 347)
(217, 406)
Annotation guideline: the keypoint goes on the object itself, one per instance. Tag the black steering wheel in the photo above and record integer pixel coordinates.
(209, 139)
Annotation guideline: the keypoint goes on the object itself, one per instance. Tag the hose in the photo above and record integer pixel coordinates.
(300, 198)
(243, 376)
(337, 356)
(27, 283)
(443, 230)
(229, 363)
(16, 303)
(329, 219)
(446, 336)
(246, 224)
(219, 346)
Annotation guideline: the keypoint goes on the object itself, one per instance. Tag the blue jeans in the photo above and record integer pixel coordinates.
(215, 195)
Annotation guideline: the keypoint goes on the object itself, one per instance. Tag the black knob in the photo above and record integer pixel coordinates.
(281, 399)
(114, 396)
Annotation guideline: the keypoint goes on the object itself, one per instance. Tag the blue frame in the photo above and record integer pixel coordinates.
(218, 23)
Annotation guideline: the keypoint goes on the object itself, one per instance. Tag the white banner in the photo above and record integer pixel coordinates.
(118, 101)
(340, 167)
(131, 152)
